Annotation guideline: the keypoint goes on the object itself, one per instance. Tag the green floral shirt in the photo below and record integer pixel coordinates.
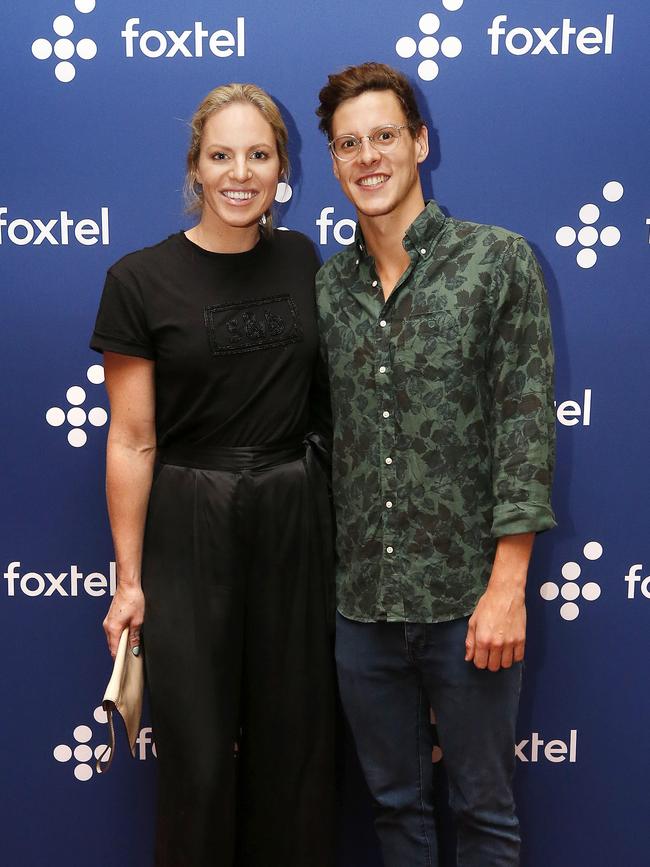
(442, 399)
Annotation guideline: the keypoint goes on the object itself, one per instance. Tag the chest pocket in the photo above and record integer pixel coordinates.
(429, 345)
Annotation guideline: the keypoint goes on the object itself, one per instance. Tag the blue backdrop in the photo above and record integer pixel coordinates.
(539, 120)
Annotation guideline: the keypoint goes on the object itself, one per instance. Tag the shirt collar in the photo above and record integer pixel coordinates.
(419, 237)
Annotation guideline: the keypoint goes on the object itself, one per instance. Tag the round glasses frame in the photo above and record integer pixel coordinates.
(374, 140)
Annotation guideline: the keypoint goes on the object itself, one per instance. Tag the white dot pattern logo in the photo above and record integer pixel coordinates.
(77, 438)
(86, 49)
(589, 235)
(82, 752)
(571, 591)
(429, 23)
(75, 415)
(63, 25)
(430, 46)
(95, 374)
(63, 47)
(76, 395)
(589, 213)
(65, 71)
(42, 49)
(97, 416)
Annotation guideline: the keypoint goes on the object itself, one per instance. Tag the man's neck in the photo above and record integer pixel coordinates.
(383, 236)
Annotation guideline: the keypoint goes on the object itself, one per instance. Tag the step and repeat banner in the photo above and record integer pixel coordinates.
(538, 114)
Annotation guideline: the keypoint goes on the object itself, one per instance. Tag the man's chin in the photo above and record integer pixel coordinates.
(374, 209)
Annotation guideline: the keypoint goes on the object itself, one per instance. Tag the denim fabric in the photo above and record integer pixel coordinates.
(389, 675)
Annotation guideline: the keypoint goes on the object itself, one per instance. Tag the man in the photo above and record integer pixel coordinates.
(439, 350)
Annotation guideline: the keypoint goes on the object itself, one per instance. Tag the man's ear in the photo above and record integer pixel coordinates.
(335, 167)
(422, 141)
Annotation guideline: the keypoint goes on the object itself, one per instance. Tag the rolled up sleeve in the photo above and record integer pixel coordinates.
(520, 379)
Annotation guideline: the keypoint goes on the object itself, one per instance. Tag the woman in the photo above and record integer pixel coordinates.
(210, 347)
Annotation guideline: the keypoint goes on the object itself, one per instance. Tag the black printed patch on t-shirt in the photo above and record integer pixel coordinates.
(246, 326)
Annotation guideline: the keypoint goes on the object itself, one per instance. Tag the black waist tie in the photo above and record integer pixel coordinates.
(233, 459)
(237, 575)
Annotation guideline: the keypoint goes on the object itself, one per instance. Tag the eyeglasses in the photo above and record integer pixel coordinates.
(383, 138)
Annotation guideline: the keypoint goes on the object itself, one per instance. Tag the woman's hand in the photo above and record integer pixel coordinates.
(127, 610)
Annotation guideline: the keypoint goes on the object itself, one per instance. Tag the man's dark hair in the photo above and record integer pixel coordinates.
(356, 80)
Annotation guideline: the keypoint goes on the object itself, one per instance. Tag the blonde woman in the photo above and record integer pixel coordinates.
(219, 508)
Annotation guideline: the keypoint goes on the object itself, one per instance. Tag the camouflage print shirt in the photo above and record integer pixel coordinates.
(442, 398)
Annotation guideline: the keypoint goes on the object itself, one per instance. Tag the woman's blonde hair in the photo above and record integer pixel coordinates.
(220, 97)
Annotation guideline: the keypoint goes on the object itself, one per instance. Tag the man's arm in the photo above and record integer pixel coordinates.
(522, 424)
(496, 634)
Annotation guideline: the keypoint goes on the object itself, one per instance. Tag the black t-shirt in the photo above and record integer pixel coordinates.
(233, 336)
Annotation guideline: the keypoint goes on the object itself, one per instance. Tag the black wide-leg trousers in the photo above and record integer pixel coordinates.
(237, 572)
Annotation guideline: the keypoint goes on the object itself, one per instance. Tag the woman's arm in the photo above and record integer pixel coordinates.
(130, 455)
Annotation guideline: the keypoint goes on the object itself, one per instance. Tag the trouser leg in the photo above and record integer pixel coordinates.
(288, 700)
(193, 648)
(388, 713)
(476, 713)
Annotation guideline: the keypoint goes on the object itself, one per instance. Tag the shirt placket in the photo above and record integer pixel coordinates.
(390, 504)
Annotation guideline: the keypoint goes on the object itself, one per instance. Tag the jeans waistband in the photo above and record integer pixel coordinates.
(233, 458)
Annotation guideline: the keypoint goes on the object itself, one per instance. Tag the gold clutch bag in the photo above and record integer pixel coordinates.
(124, 695)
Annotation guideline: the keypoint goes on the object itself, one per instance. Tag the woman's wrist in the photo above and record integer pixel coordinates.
(128, 581)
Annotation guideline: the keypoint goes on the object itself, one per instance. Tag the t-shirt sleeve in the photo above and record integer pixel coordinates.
(121, 324)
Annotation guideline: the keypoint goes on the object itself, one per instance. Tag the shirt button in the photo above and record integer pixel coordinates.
(389, 549)
(357, 262)
(382, 323)
(386, 414)
(389, 505)
(382, 369)
(389, 460)
(423, 251)
(374, 283)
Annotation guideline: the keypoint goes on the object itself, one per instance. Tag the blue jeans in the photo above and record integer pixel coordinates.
(389, 675)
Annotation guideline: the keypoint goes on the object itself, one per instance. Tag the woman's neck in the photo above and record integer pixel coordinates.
(223, 239)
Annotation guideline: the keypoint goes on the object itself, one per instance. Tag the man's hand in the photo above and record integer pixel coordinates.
(496, 633)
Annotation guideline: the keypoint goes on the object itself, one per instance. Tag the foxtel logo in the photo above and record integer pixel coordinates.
(55, 231)
(520, 40)
(633, 578)
(572, 412)
(72, 583)
(156, 43)
(555, 751)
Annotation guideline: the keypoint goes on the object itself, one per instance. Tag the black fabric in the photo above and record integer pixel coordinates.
(237, 561)
(238, 647)
(233, 336)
